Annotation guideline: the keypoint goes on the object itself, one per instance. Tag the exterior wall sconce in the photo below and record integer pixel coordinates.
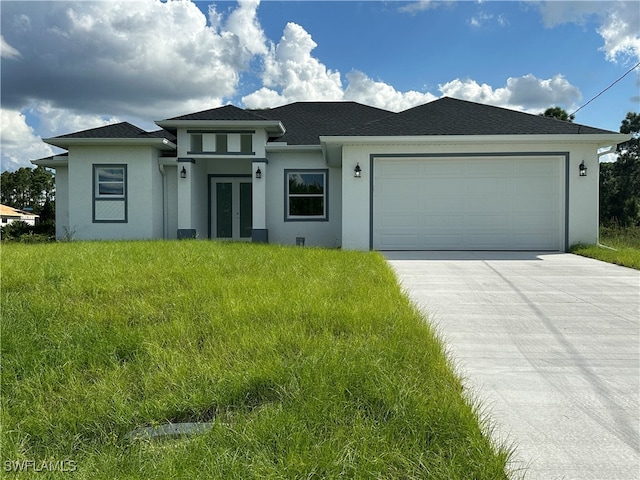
(583, 169)
(258, 173)
(183, 173)
(357, 172)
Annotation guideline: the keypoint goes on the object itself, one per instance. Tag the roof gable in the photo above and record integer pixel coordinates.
(449, 116)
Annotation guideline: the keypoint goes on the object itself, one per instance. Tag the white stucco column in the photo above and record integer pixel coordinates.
(185, 187)
(259, 231)
(355, 199)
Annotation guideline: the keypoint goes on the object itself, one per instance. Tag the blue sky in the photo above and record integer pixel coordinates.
(67, 66)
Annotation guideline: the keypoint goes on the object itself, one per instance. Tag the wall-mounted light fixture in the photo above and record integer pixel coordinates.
(583, 169)
(183, 172)
(258, 173)
(357, 172)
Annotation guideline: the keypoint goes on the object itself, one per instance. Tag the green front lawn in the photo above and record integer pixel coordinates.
(310, 363)
(618, 245)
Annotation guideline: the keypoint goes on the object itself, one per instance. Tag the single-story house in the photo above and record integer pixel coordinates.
(446, 175)
(10, 215)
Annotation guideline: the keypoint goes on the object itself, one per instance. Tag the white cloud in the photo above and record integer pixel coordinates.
(363, 89)
(619, 24)
(7, 51)
(526, 93)
(419, 6)
(122, 57)
(244, 23)
(422, 5)
(483, 18)
(19, 141)
(621, 32)
(59, 121)
(292, 74)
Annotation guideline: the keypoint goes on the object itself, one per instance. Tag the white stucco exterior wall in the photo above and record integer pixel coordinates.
(316, 233)
(144, 192)
(62, 202)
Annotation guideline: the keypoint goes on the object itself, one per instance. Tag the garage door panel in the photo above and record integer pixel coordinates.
(395, 221)
(444, 242)
(401, 169)
(398, 205)
(397, 241)
(394, 185)
(443, 222)
(468, 203)
(534, 203)
(437, 205)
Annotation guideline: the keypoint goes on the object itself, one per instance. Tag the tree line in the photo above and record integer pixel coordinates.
(619, 180)
(29, 189)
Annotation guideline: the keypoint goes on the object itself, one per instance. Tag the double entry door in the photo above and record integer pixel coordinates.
(231, 208)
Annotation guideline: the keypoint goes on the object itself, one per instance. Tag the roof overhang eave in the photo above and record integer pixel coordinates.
(273, 127)
(599, 140)
(159, 143)
(52, 162)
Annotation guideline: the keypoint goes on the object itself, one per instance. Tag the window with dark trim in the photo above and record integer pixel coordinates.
(196, 143)
(306, 195)
(246, 143)
(222, 143)
(109, 193)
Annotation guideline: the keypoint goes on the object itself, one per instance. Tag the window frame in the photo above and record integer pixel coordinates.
(98, 197)
(324, 217)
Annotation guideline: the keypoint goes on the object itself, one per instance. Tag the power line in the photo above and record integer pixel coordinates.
(627, 73)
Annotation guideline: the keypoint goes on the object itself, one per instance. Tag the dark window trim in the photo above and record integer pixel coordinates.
(323, 218)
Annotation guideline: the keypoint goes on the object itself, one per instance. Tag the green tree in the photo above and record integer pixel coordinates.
(27, 188)
(31, 189)
(559, 113)
(620, 180)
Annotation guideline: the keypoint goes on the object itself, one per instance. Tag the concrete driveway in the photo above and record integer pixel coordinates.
(549, 343)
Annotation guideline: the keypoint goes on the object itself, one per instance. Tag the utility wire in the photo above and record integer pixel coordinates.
(627, 73)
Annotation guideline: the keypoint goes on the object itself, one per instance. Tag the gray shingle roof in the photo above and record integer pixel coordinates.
(306, 121)
(120, 130)
(449, 116)
(117, 130)
(228, 112)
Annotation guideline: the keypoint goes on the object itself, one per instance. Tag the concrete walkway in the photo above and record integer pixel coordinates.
(549, 343)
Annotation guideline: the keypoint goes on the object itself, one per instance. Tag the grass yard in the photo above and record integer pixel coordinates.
(310, 363)
(623, 243)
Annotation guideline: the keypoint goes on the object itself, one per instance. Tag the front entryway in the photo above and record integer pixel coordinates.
(231, 208)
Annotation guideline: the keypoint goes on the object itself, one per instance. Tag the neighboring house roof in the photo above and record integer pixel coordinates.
(7, 211)
(307, 121)
(450, 116)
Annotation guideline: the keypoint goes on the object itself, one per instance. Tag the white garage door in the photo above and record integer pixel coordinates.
(472, 203)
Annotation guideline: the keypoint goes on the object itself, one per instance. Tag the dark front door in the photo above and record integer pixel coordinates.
(231, 208)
